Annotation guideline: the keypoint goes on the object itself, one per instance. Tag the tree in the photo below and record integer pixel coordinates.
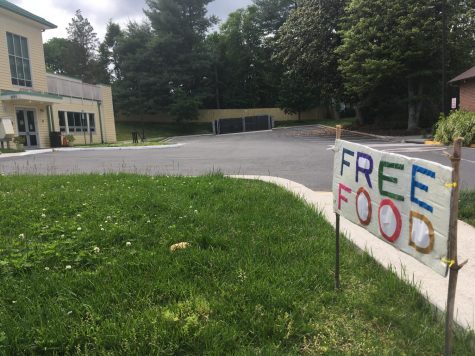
(306, 47)
(272, 14)
(247, 75)
(397, 43)
(108, 54)
(178, 47)
(138, 90)
(297, 95)
(60, 56)
(82, 35)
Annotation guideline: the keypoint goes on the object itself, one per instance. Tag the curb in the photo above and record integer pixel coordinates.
(79, 149)
(26, 153)
(124, 148)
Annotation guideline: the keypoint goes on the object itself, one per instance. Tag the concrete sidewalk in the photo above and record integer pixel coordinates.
(431, 284)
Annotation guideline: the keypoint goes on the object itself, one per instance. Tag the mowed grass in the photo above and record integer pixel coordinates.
(159, 130)
(86, 268)
(467, 206)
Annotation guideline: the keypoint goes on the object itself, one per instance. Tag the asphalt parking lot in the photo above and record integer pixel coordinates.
(299, 154)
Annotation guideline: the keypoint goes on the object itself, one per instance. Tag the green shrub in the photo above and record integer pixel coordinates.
(458, 124)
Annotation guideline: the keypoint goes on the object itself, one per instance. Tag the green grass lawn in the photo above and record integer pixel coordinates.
(467, 206)
(86, 268)
(10, 150)
(156, 130)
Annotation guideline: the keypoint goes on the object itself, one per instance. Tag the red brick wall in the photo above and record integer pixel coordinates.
(467, 95)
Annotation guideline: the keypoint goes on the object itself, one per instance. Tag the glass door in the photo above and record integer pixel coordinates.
(27, 127)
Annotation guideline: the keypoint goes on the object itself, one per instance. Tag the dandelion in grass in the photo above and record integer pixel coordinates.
(79, 228)
(13, 301)
(128, 244)
(46, 268)
(69, 267)
(97, 249)
(196, 211)
(43, 215)
(78, 215)
(62, 236)
(21, 236)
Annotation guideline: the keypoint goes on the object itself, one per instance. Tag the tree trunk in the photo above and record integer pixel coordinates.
(218, 104)
(420, 103)
(359, 116)
(411, 104)
(335, 112)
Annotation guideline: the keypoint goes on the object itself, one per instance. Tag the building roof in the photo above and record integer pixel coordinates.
(469, 74)
(4, 4)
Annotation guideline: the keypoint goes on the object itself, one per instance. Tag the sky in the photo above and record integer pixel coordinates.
(99, 12)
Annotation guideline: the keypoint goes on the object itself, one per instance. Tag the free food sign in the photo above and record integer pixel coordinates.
(403, 201)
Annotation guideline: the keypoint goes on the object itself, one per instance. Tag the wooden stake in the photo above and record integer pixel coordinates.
(337, 254)
(452, 253)
(338, 132)
(337, 230)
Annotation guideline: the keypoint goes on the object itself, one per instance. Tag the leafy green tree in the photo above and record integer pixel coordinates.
(138, 90)
(82, 35)
(60, 56)
(397, 43)
(297, 95)
(184, 106)
(248, 76)
(272, 14)
(178, 48)
(108, 54)
(306, 47)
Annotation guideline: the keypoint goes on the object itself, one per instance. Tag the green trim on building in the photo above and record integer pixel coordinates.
(99, 110)
(31, 93)
(22, 12)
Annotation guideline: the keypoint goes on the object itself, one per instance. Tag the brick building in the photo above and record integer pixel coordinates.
(466, 84)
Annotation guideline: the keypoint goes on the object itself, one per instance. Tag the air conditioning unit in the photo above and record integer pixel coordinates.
(6, 128)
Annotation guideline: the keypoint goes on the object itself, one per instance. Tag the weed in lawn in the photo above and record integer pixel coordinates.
(86, 267)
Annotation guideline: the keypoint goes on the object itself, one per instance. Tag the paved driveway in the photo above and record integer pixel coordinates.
(299, 154)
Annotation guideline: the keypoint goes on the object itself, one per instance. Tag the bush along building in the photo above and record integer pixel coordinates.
(45, 108)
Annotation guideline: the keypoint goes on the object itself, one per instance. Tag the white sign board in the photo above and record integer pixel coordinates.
(454, 103)
(403, 201)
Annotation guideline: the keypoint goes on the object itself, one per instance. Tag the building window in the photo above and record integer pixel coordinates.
(19, 60)
(71, 122)
(92, 123)
(62, 121)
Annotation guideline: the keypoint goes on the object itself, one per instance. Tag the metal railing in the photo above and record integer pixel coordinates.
(72, 88)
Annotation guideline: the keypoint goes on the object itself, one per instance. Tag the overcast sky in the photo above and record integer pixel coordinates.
(99, 12)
